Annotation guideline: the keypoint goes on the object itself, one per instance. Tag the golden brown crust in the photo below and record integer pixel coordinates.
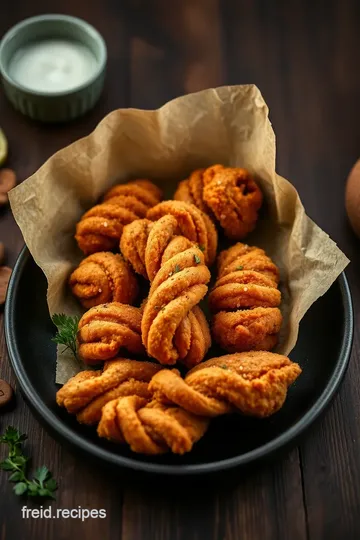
(147, 245)
(246, 330)
(239, 295)
(243, 257)
(193, 224)
(163, 243)
(191, 191)
(228, 195)
(107, 329)
(177, 288)
(133, 244)
(234, 198)
(144, 190)
(172, 330)
(183, 193)
(245, 300)
(101, 227)
(103, 277)
(150, 428)
(253, 383)
(86, 393)
(192, 338)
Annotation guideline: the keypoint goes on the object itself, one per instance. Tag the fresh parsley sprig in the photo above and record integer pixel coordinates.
(67, 329)
(42, 484)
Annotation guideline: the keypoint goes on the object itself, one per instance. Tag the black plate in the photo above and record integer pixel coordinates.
(323, 351)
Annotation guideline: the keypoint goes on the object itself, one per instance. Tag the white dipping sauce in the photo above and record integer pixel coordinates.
(52, 65)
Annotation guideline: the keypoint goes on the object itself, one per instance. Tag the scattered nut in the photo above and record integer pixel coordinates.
(7, 182)
(2, 252)
(5, 274)
(6, 393)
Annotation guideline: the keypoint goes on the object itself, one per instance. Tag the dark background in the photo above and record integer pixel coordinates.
(305, 58)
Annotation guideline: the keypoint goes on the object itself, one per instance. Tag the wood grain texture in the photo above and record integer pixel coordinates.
(304, 56)
(243, 508)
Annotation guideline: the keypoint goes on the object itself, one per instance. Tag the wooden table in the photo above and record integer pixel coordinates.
(305, 57)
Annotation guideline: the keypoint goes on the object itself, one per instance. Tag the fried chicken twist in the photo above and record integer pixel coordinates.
(192, 223)
(107, 329)
(150, 428)
(103, 277)
(245, 300)
(86, 393)
(100, 228)
(229, 195)
(148, 245)
(253, 383)
(173, 327)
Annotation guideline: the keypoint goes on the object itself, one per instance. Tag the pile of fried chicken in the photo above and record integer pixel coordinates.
(132, 237)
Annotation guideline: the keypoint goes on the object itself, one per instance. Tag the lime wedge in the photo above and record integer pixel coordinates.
(3, 147)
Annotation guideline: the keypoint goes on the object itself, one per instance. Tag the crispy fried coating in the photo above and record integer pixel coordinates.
(150, 428)
(191, 191)
(101, 227)
(177, 288)
(192, 223)
(254, 383)
(103, 277)
(246, 330)
(245, 300)
(148, 245)
(192, 338)
(86, 393)
(107, 329)
(234, 198)
(133, 244)
(143, 190)
(243, 257)
(228, 195)
(243, 289)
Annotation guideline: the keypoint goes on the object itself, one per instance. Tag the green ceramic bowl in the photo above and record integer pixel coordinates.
(53, 106)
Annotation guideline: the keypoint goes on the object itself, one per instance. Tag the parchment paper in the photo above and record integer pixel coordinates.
(227, 125)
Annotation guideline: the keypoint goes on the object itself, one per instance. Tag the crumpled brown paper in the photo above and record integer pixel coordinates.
(227, 125)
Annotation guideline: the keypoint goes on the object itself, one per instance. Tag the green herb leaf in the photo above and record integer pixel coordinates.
(239, 268)
(202, 248)
(20, 488)
(12, 435)
(51, 484)
(19, 460)
(41, 474)
(42, 484)
(17, 449)
(224, 366)
(7, 465)
(15, 477)
(67, 329)
(46, 493)
(197, 259)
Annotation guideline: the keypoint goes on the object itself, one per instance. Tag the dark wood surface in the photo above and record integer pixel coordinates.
(305, 58)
